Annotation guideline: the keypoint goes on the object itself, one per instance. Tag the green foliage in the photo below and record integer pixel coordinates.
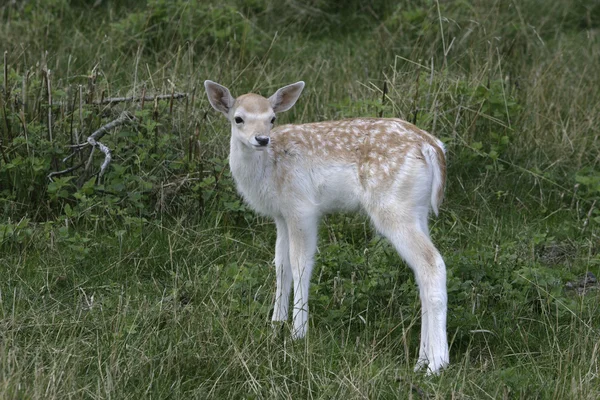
(589, 179)
(15, 233)
(164, 24)
(156, 280)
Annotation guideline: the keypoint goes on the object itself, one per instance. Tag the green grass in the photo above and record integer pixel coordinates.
(157, 282)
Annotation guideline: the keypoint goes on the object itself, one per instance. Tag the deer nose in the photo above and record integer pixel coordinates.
(262, 140)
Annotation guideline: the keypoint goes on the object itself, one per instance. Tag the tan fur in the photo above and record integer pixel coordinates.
(377, 148)
(252, 103)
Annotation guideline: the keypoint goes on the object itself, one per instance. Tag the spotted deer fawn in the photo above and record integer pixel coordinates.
(389, 168)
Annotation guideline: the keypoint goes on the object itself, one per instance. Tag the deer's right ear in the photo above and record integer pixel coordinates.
(219, 97)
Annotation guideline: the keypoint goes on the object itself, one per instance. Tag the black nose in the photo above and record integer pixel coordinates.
(262, 140)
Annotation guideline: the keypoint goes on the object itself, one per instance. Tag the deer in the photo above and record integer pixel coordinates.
(386, 167)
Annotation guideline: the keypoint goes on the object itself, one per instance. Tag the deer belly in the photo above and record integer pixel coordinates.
(337, 189)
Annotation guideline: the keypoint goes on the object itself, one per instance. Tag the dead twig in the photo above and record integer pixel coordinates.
(6, 92)
(385, 90)
(93, 140)
(171, 101)
(92, 84)
(125, 117)
(115, 100)
(143, 98)
(64, 171)
(107, 156)
(48, 81)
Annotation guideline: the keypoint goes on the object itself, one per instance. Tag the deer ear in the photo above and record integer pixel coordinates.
(286, 97)
(219, 96)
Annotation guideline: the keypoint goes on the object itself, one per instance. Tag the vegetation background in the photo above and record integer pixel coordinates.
(155, 280)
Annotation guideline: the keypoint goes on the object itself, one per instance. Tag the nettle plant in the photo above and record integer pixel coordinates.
(50, 168)
(473, 118)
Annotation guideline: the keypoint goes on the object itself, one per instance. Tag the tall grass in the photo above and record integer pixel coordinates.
(156, 281)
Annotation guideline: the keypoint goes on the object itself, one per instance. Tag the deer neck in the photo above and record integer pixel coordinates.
(251, 170)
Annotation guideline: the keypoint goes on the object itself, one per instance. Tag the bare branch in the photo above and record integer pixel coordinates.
(114, 100)
(64, 171)
(6, 94)
(92, 140)
(88, 164)
(107, 156)
(48, 81)
(125, 117)
(76, 147)
(136, 99)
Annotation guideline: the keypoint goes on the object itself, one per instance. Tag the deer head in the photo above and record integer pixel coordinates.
(252, 116)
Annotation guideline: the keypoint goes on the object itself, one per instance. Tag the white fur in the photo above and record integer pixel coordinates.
(317, 174)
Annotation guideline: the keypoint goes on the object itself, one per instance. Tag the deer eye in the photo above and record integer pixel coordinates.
(239, 120)
(273, 120)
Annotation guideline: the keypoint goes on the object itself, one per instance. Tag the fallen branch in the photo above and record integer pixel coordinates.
(64, 171)
(92, 140)
(136, 99)
(114, 100)
(107, 156)
(125, 117)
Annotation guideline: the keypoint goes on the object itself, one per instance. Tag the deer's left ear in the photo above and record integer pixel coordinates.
(286, 97)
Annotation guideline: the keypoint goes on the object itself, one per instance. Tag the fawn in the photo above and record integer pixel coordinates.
(389, 168)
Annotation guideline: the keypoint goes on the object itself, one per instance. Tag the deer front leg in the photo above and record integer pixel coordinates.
(302, 233)
(283, 272)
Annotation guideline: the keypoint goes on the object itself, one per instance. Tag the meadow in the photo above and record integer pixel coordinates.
(154, 280)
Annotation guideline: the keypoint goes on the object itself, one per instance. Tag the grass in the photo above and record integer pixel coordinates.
(156, 282)
(147, 321)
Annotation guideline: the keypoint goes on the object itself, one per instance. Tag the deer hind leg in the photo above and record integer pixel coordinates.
(412, 242)
(283, 272)
(302, 233)
(422, 361)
